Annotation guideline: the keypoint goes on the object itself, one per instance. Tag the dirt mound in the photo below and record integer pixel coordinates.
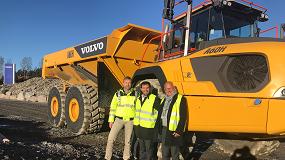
(35, 89)
(4, 89)
(34, 86)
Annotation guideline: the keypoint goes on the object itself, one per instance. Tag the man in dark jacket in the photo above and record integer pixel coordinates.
(171, 121)
(144, 122)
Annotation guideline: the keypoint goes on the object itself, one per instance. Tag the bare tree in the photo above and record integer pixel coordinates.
(1, 66)
(26, 65)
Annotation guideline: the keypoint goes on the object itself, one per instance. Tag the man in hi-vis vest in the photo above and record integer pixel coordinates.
(172, 116)
(122, 113)
(144, 122)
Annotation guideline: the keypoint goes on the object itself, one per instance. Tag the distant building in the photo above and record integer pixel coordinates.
(9, 74)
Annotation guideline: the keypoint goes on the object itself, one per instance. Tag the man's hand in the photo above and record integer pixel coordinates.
(111, 124)
(176, 135)
(6, 141)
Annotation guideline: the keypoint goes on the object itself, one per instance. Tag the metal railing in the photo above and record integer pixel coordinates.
(276, 28)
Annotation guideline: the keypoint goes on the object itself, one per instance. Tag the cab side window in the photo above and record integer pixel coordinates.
(178, 37)
(176, 41)
(199, 30)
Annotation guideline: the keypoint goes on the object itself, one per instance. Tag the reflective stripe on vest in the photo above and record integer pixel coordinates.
(175, 114)
(125, 106)
(146, 115)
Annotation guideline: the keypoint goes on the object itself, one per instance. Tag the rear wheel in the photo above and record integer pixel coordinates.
(56, 100)
(82, 112)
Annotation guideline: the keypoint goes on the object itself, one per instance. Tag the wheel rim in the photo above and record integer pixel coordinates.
(54, 106)
(73, 110)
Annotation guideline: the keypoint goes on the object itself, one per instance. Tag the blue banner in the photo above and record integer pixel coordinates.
(9, 74)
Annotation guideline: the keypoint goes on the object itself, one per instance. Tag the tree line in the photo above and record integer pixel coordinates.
(25, 72)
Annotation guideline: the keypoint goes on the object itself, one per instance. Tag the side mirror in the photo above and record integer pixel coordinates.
(168, 9)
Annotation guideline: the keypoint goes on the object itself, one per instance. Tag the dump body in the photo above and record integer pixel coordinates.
(121, 51)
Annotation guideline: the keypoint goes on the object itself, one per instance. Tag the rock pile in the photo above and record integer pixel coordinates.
(35, 90)
(4, 89)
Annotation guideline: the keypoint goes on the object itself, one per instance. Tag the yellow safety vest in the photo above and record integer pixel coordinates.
(175, 114)
(123, 105)
(146, 115)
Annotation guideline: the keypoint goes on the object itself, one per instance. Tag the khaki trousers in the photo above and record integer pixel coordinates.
(117, 126)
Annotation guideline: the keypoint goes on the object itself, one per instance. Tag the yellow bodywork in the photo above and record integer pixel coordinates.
(123, 56)
(209, 109)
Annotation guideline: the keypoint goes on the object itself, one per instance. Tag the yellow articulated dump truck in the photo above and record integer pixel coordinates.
(233, 79)
(92, 72)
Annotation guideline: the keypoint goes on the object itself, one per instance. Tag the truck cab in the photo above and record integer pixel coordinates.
(213, 20)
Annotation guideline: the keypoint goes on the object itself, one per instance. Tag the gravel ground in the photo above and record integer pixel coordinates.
(25, 124)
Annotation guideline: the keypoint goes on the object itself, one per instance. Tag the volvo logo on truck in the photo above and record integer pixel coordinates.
(92, 48)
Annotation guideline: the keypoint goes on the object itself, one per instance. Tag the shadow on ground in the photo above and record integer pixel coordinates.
(31, 140)
(243, 154)
(201, 145)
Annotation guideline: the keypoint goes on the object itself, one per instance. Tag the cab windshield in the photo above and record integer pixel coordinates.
(210, 24)
(225, 24)
(213, 24)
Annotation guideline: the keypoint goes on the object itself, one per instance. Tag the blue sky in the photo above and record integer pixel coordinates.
(36, 27)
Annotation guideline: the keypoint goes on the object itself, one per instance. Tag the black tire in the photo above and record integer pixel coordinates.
(91, 117)
(57, 120)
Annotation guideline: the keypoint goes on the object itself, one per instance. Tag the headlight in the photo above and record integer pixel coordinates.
(280, 93)
(226, 3)
(263, 17)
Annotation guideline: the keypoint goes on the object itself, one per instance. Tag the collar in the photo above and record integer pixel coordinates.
(124, 93)
(173, 97)
(170, 97)
(146, 96)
